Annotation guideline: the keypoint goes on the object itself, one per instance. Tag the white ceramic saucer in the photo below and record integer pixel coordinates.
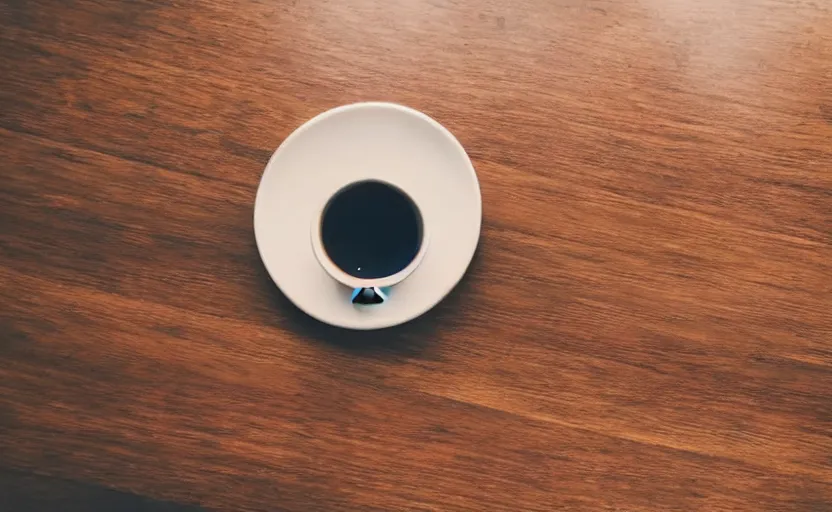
(360, 141)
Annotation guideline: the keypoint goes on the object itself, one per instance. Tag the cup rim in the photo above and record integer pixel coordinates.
(356, 282)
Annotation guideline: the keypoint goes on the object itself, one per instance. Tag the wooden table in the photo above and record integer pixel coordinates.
(647, 324)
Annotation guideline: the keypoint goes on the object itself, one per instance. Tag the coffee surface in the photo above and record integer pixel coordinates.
(371, 230)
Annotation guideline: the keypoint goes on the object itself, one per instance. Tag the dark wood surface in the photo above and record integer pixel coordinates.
(647, 324)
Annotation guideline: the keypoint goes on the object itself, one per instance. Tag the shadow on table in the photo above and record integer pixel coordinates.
(412, 338)
(27, 492)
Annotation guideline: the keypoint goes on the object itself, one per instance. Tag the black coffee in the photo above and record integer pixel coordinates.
(371, 230)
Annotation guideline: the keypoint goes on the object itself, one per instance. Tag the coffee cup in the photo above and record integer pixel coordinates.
(369, 235)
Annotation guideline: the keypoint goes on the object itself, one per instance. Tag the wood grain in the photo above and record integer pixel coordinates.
(647, 324)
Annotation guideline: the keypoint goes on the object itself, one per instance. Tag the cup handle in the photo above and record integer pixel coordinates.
(368, 296)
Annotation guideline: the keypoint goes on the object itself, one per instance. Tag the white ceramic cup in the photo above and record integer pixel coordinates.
(366, 290)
